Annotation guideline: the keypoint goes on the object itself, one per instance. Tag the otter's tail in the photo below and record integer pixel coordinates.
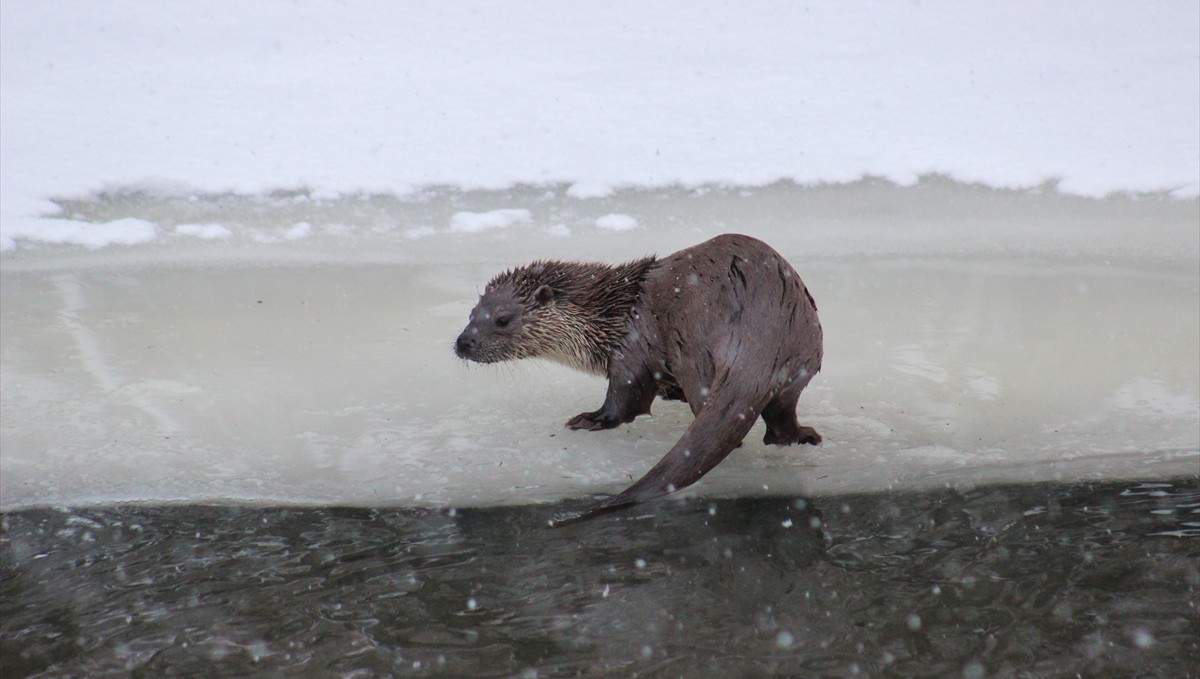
(717, 430)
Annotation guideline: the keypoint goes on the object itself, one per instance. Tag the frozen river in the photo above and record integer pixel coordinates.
(299, 351)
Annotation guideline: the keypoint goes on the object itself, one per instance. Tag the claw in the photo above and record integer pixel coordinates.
(591, 422)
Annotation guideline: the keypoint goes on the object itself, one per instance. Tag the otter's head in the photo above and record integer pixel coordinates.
(504, 325)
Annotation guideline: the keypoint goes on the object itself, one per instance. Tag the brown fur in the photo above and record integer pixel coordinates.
(727, 326)
(578, 320)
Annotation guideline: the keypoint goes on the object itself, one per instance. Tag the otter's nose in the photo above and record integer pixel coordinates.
(464, 345)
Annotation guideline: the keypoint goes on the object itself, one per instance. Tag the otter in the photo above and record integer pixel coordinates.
(726, 326)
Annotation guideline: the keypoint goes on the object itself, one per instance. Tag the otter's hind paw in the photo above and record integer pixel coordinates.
(808, 435)
(802, 435)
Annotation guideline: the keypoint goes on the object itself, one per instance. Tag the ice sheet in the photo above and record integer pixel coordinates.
(972, 335)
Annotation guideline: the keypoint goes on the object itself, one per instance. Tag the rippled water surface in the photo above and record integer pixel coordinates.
(1006, 581)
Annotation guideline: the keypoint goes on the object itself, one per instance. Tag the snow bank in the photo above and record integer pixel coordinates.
(381, 97)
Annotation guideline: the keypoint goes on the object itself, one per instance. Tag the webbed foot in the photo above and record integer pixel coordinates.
(593, 421)
(797, 435)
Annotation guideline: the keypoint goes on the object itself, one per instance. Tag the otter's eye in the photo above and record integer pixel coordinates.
(503, 321)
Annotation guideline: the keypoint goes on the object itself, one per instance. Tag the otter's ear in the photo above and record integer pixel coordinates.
(543, 295)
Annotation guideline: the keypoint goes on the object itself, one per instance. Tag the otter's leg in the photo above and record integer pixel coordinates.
(629, 395)
(782, 427)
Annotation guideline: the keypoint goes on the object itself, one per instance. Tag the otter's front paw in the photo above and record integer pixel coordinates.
(593, 421)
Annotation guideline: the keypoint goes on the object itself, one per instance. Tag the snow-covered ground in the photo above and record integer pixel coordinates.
(236, 242)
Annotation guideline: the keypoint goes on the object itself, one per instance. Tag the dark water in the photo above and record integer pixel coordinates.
(1085, 580)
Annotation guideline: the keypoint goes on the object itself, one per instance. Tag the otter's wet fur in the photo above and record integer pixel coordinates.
(726, 326)
(571, 312)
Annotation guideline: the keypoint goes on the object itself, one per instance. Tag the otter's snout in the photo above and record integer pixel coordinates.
(465, 345)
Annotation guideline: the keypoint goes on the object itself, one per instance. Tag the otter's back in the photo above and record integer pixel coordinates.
(734, 302)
